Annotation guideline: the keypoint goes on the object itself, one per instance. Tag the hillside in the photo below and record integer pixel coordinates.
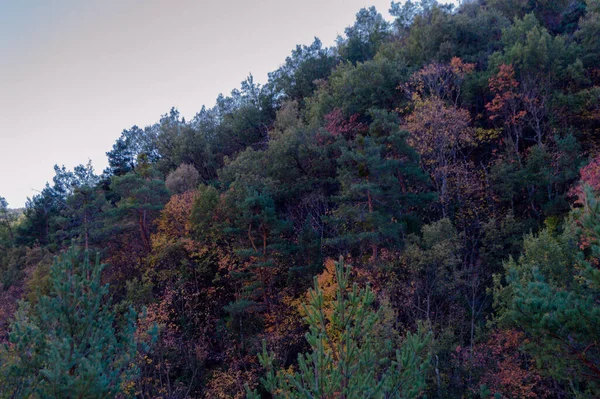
(412, 212)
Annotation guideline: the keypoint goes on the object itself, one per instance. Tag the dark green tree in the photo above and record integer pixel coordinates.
(263, 239)
(7, 218)
(430, 34)
(82, 202)
(142, 194)
(377, 172)
(551, 292)
(126, 150)
(589, 28)
(295, 79)
(66, 345)
(363, 38)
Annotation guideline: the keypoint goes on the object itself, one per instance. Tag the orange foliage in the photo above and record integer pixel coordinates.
(284, 327)
(230, 384)
(174, 219)
(504, 368)
(439, 132)
(328, 286)
(507, 99)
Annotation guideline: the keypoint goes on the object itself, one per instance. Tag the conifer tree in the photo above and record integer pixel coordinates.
(552, 294)
(7, 218)
(142, 195)
(66, 345)
(377, 173)
(347, 359)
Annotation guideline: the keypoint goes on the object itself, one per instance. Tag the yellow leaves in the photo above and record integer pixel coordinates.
(159, 241)
(284, 320)
(128, 388)
(328, 286)
(174, 219)
(487, 135)
(437, 128)
(230, 384)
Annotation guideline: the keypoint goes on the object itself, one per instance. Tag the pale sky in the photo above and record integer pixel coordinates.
(75, 73)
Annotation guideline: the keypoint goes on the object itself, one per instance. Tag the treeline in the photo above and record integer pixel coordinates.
(450, 156)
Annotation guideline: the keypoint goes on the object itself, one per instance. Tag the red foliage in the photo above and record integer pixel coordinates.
(589, 175)
(502, 367)
(506, 102)
(338, 125)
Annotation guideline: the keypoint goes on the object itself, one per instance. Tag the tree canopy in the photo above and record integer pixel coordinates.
(450, 155)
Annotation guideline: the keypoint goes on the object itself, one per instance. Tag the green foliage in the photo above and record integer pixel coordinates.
(142, 194)
(429, 36)
(589, 29)
(362, 87)
(295, 79)
(405, 13)
(203, 213)
(80, 220)
(66, 345)
(376, 173)
(8, 223)
(555, 15)
(502, 238)
(126, 150)
(532, 50)
(262, 232)
(346, 359)
(64, 205)
(435, 258)
(422, 148)
(364, 37)
(551, 293)
(540, 184)
(476, 33)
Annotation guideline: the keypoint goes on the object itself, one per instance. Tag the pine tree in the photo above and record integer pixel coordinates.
(347, 358)
(142, 195)
(377, 173)
(262, 235)
(66, 345)
(7, 219)
(552, 294)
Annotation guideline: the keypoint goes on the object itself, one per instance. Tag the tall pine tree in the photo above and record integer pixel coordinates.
(66, 345)
(347, 359)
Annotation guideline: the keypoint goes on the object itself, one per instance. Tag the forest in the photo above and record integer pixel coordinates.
(413, 212)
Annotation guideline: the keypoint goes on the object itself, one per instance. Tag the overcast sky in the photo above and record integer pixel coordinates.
(75, 73)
